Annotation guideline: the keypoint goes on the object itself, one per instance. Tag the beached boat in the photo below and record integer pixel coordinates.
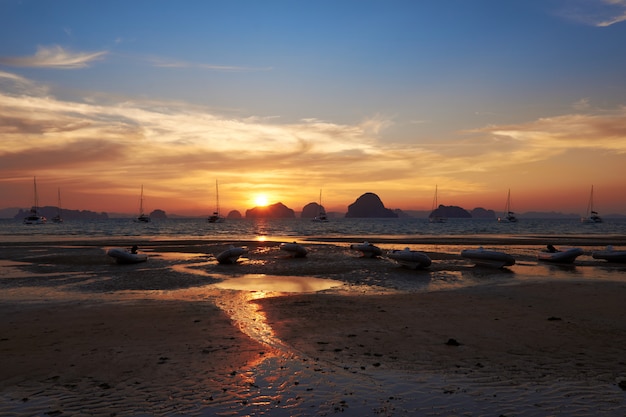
(436, 218)
(509, 216)
(216, 217)
(294, 249)
(592, 216)
(410, 258)
(553, 255)
(231, 255)
(142, 218)
(124, 256)
(367, 249)
(610, 255)
(34, 217)
(490, 258)
(58, 218)
(321, 216)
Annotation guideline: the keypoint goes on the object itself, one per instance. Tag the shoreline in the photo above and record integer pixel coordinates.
(580, 239)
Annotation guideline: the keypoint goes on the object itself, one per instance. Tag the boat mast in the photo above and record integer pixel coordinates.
(36, 206)
(217, 199)
(141, 202)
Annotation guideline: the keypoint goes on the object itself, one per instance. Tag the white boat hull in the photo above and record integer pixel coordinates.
(610, 255)
(230, 255)
(489, 258)
(122, 256)
(35, 220)
(567, 256)
(294, 249)
(367, 249)
(410, 259)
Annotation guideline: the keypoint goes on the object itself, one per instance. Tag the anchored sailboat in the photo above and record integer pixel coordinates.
(592, 215)
(509, 216)
(321, 216)
(142, 218)
(215, 217)
(58, 218)
(34, 217)
(434, 216)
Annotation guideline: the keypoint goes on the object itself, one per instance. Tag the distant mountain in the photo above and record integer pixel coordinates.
(450, 212)
(158, 214)
(548, 215)
(234, 214)
(369, 205)
(481, 213)
(311, 210)
(274, 211)
(9, 212)
(66, 214)
(401, 214)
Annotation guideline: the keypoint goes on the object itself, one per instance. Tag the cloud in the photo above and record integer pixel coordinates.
(546, 138)
(600, 13)
(180, 146)
(54, 57)
(169, 63)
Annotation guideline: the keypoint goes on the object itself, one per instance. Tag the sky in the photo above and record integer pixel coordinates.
(284, 99)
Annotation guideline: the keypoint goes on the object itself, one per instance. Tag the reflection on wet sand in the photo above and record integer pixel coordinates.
(271, 283)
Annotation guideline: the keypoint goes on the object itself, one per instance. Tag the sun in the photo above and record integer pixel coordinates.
(261, 200)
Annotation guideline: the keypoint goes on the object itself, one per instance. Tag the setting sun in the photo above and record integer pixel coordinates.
(261, 200)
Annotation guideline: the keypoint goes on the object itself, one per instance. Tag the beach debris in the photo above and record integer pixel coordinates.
(453, 342)
(553, 318)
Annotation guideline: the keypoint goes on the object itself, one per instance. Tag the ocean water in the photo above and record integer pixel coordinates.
(335, 229)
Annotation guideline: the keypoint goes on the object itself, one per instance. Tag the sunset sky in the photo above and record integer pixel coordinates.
(284, 98)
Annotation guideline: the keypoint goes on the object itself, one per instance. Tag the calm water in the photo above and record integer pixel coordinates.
(244, 229)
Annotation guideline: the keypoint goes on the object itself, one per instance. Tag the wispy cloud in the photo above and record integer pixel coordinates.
(170, 63)
(600, 13)
(54, 57)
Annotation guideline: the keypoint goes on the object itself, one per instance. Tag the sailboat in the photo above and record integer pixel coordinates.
(34, 217)
(509, 216)
(435, 218)
(592, 215)
(321, 216)
(142, 218)
(58, 218)
(215, 217)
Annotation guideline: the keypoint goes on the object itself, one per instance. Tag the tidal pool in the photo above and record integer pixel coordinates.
(276, 283)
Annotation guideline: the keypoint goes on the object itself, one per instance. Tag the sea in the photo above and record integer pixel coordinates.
(338, 229)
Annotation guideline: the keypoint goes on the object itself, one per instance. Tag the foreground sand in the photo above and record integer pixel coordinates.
(157, 340)
(542, 331)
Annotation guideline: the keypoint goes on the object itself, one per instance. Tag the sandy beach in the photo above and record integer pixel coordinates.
(81, 335)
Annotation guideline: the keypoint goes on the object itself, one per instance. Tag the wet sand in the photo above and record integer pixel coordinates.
(81, 335)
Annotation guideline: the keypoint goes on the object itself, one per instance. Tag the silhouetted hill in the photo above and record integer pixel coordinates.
(481, 213)
(549, 215)
(369, 205)
(51, 211)
(450, 212)
(311, 210)
(158, 214)
(9, 212)
(274, 211)
(234, 214)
